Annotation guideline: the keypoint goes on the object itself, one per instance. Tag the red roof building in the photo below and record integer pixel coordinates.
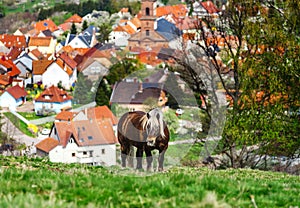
(54, 95)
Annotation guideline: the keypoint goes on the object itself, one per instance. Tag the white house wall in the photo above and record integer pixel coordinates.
(77, 43)
(54, 74)
(53, 107)
(6, 100)
(96, 155)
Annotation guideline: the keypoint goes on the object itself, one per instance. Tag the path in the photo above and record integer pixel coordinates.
(12, 131)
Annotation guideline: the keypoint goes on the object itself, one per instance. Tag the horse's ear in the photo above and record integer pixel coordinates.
(148, 115)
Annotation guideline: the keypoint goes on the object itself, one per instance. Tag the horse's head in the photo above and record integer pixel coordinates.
(153, 125)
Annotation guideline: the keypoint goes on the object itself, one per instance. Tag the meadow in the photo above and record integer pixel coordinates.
(28, 182)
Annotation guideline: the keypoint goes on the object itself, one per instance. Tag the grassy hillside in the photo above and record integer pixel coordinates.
(36, 183)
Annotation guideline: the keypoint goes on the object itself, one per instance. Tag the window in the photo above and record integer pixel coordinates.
(147, 32)
(147, 11)
(90, 137)
(73, 154)
(84, 153)
(103, 151)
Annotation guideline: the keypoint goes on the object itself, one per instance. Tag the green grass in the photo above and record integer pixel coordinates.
(19, 124)
(36, 183)
(30, 115)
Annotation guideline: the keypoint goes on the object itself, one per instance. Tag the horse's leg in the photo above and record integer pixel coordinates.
(130, 156)
(125, 149)
(149, 159)
(161, 158)
(139, 158)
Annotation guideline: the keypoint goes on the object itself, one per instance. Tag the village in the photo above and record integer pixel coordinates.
(39, 76)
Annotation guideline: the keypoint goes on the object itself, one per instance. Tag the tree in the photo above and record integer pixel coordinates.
(104, 31)
(2, 10)
(83, 90)
(73, 29)
(261, 51)
(122, 69)
(103, 93)
(84, 25)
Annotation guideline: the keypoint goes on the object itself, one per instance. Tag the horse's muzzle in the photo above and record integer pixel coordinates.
(151, 141)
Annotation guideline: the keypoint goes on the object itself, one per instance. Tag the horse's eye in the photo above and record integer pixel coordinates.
(148, 126)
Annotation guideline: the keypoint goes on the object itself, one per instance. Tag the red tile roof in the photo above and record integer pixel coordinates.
(210, 7)
(136, 21)
(47, 24)
(68, 60)
(37, 53)
(179, 10)
(47, 144)
(54, 94)
(39, 41)
(65, 26)
(65, 116)
(86, 132)
(16, 91)
(74, 19)
(13, 40)
(102, 112)
(40, 66)
(4, 80)
(14, 53)
(13, 69)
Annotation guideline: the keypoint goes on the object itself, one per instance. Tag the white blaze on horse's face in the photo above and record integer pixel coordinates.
(154, 126)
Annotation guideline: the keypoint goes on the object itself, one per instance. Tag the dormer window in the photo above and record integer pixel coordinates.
(47, 97)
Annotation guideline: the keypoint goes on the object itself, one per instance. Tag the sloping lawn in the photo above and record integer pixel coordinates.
(39, 183)
(19, 124)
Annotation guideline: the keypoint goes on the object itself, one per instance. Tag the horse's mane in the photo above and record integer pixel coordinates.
(155, 116)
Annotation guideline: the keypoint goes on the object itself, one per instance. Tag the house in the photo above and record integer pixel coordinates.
(62, 72)
(87, 142)
(65, 116)
(10, 41)
(96, 61)
(35, 54)
(76, 19)
(24, 64)
(13, 97)
(204, 9)
(178, 11)
(132, 95)
(46, 24)
(52, 100)
(102, 113)
(46, 45)
(86, 39)
(123, 31)
(14, 53)
(45, 146)
(7, 67)
(38, 69)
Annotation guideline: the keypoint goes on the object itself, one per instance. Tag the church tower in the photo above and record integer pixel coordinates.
(148, 18)
(147, 37)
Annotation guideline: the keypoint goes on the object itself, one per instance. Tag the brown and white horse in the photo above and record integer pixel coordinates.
(146, 132)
